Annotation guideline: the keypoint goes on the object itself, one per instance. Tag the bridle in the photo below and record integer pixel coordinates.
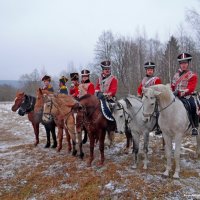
(156, 111)
(49, 115)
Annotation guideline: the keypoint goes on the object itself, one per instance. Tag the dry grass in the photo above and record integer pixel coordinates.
(50, 175)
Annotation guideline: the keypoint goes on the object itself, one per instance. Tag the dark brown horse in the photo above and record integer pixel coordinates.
(59, 121)
(25, 105)
(89, 112)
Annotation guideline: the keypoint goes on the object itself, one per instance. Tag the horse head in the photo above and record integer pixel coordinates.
(120, 114)
(19, 98)
(48, 107)
(149, 100)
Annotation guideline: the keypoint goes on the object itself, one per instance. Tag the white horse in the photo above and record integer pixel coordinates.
(128, 111)
(173, 121)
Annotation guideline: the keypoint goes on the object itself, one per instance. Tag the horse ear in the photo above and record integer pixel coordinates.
(40, 90)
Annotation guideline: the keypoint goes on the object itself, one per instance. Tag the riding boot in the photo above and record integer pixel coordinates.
(195, 125)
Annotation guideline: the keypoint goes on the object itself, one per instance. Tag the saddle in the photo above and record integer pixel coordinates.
(106, 108)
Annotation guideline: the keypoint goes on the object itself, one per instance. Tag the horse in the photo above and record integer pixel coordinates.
(59, 107)
(90, 116)
(59, 123)
(173, 121)
(25, 105)
(128, 113)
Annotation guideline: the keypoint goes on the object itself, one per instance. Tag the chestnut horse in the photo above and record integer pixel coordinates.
(59, 107)
(96, 125)
(25, 105)
(59, 121)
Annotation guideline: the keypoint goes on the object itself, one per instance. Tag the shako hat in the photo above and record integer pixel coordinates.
(74, 76)
(149, 65)
(184, 57)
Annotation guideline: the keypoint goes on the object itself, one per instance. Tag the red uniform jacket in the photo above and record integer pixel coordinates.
(146, 82)
(184, 81)
(107, 85)
(86, 88)
(73, 91)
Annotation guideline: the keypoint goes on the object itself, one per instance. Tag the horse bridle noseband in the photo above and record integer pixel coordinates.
(156, 108)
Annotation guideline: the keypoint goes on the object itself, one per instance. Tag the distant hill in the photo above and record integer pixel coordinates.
(13, 83)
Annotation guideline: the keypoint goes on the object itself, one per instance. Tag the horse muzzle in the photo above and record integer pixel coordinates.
(21, 112)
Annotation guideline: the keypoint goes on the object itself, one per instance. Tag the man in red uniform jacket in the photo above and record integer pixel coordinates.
(106, 84)
(184, 84)
(149, 79)
(73, 91)
(86, 86)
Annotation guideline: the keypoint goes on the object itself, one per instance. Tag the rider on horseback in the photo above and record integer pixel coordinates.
(184, 84)
(47, 86)
(148, 81)
(62, 85)
(107, 84)
(75, 83)
(86, 86)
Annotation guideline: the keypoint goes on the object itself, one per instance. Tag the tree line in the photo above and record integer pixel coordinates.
(128, 55)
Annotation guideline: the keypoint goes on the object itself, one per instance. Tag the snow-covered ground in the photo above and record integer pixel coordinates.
(28, 172)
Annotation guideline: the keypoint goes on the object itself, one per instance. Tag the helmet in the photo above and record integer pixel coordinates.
(106, 64)
(149, 65)
(184, 57)
(74, 76)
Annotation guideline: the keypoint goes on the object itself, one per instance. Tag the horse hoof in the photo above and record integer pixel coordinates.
(74, 153)
(58, 149)
(54, 146)
(88, 164)
(176, 176)
(81, 155)
(47, 145)
(100, 164)
(145, 167)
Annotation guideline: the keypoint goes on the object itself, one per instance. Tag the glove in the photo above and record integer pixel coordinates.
(176, 93)
(100, 95)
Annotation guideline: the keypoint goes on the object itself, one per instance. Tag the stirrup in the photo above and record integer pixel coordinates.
(195, 131)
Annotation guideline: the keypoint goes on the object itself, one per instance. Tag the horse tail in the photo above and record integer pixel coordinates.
(85, 137)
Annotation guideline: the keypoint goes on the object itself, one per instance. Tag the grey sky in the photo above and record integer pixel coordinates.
(52, 33)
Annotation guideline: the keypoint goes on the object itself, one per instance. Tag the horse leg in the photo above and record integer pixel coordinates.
(36, 131)
(92, 141)
(68, 138)
(136, 140)
(168, 151)
(111, 137)
(128, 139)
(102, 135)
(178, 141)
(48, 136)
(74, 151)
(60, 138)
(53, 133)
(81, 155)
(198, 145)
(146, 145)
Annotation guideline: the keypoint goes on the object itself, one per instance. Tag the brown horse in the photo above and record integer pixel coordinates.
(59, 120)
(95, 123)
(59, 107)
(25, 105)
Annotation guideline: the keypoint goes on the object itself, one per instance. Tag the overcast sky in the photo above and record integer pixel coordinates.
(52, 33)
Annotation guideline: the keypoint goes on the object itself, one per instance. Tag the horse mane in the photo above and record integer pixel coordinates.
(84, 97)
(165, 90)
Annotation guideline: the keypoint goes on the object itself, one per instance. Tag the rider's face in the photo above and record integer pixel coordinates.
(106, 71)
(149, 72)
(184, 65)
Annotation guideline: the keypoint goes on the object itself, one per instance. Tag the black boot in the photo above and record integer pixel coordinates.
(47, 145)
(195, 125)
